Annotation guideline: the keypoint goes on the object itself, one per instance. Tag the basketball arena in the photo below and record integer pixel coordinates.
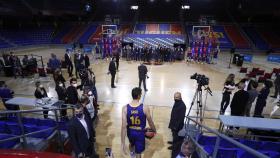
(139, 78)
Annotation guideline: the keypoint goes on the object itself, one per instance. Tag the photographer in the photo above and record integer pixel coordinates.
(142, 72)
(229, 86)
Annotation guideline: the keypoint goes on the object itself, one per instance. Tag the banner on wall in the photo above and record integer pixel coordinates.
(158, 29)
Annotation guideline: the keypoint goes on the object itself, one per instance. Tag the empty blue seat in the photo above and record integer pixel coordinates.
(271, 154)
(44, 134)
(14, 128)
(227, 153)
(226, 144)
(222, 152)
(12, 119)
(30, 129)
(3, 127)
(7, 144)
(34, 128)
(271, 146)
(207, 140)
(29, 121)
(252, 144)
(46, 122)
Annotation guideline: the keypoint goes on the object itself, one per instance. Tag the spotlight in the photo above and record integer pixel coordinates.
(152, 1)
(88, 8)
(134, 7)
(185, 7)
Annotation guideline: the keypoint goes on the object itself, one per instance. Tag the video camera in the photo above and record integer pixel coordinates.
(201, 79)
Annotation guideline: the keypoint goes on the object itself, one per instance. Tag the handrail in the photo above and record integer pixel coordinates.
(27, 134)
(31, 111)
(246, 148)
(23, 135)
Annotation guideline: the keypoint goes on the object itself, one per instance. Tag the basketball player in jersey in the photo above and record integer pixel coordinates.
(134, 117)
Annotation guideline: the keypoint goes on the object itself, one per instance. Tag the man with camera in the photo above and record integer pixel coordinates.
(142, 72)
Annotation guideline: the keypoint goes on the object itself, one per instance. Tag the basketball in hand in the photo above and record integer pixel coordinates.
(149, 133)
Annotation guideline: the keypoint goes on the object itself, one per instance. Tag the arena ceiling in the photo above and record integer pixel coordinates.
(99, 8)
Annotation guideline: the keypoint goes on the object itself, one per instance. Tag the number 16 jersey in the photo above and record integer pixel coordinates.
(136, 118)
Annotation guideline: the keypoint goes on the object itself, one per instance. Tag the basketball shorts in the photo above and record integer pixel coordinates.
(137, 139)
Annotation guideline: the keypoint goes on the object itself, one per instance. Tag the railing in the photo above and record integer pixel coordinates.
(194, 133)
(23, 135)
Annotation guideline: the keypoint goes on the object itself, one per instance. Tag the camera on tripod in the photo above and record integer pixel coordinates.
(201, 79)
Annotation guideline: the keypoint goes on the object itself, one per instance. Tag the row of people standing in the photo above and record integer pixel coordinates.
(18, 67)
(159, 54)
(248, 91)
(80, 61)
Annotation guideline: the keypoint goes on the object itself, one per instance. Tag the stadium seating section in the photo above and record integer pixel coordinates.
(90, 30)
(256, 38)
(263, 38)
(270, 37)
(228, 150)
(21, 36)
(236, 37)
(10, 128)
(4, 44)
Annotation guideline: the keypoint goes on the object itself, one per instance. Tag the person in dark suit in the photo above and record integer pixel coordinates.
(72, 93)
(176, 123)
(58, 77)
(112, 70)
(117, 60)
(261, 100)
(247, 80)
(87, 62)
(80, 132)
(68, 61)
(7, 94)
(78, 60)
(142, 72)
(239, 101)
(61, 93)
(40, 93)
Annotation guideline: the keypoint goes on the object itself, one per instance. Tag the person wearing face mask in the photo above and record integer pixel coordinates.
(92, 102)
(87, 104)
(176, 123)
(72, 93)
(58, 77)
(80, 132)
(40, 93)
(61, 93)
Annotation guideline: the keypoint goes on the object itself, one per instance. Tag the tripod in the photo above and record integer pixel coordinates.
(198, 98)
